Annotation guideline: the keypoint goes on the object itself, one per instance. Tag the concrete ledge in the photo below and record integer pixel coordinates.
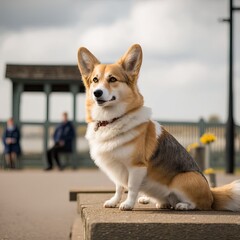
(146, 222)
(74, 192)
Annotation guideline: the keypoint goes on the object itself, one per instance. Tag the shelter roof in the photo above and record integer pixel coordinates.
(43, 72)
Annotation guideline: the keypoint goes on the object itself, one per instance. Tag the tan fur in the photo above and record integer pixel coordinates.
(126, 62)
(221, 195)
(139, 150)
(144, 144)
(150, 140)
(89, 103)
(159, 174)
(195, 187)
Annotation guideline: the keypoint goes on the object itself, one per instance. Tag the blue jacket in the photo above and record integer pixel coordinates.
(65, 132)
(14, 147)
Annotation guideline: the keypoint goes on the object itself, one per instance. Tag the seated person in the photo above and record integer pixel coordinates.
(11, 140)
(63, 137)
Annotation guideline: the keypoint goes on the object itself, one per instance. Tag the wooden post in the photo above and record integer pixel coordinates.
(74, 91)
(201, 127)
(47, 91)
(16, 102)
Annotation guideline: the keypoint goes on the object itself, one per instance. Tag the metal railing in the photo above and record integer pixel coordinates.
(185, 132)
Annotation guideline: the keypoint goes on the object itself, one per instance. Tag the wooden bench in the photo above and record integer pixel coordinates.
(3, 163)
(66, 158)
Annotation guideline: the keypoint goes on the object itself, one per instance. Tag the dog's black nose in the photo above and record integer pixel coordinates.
(98, 93)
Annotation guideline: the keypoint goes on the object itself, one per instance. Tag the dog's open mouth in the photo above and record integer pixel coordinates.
(101, 102)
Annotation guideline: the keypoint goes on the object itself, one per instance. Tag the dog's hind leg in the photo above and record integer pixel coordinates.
(192, 192)
(112, 203)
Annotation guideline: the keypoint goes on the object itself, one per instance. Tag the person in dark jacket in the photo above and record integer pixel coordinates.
(63, 138)
(11, 140)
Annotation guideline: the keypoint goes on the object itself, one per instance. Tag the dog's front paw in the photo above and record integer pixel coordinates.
(126, 206)
(110, 204)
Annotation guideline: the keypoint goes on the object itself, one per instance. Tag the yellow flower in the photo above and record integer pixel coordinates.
(209, 171)
(207, 138)
(192, 146)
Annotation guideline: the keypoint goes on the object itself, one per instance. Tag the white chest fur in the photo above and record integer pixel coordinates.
(108, 146)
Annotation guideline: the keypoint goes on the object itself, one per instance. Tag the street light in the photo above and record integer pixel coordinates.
(230, 153)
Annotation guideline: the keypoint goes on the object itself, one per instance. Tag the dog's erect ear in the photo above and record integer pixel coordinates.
(131, 61)
(86, 62)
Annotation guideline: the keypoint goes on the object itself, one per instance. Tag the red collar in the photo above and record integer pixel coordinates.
(104, 123)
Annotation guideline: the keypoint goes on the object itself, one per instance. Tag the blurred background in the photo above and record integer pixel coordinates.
(184, 75)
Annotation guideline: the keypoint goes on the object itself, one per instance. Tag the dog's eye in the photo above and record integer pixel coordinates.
(112, 79)
(95, 80)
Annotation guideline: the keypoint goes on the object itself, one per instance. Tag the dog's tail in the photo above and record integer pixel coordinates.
(227, 197)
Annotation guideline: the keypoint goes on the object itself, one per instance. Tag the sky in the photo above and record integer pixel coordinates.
(184, 74)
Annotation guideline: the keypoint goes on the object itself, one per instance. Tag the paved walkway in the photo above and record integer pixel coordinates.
(34, 204)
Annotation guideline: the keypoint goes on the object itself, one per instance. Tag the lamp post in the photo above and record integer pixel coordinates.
(230, 153)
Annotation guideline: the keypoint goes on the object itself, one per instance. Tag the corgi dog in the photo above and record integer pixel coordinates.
(137, 153)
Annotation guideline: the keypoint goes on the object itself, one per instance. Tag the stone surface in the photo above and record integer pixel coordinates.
(146, 222)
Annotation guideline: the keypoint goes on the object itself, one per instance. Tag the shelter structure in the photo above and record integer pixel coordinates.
(46, 79)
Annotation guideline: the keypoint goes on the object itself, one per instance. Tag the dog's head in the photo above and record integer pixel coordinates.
(111, 89)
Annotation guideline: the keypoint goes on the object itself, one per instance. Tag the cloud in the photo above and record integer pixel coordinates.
(184, 72)
(162, 30)
(44, 45)
(17, 15)
(184, 57)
